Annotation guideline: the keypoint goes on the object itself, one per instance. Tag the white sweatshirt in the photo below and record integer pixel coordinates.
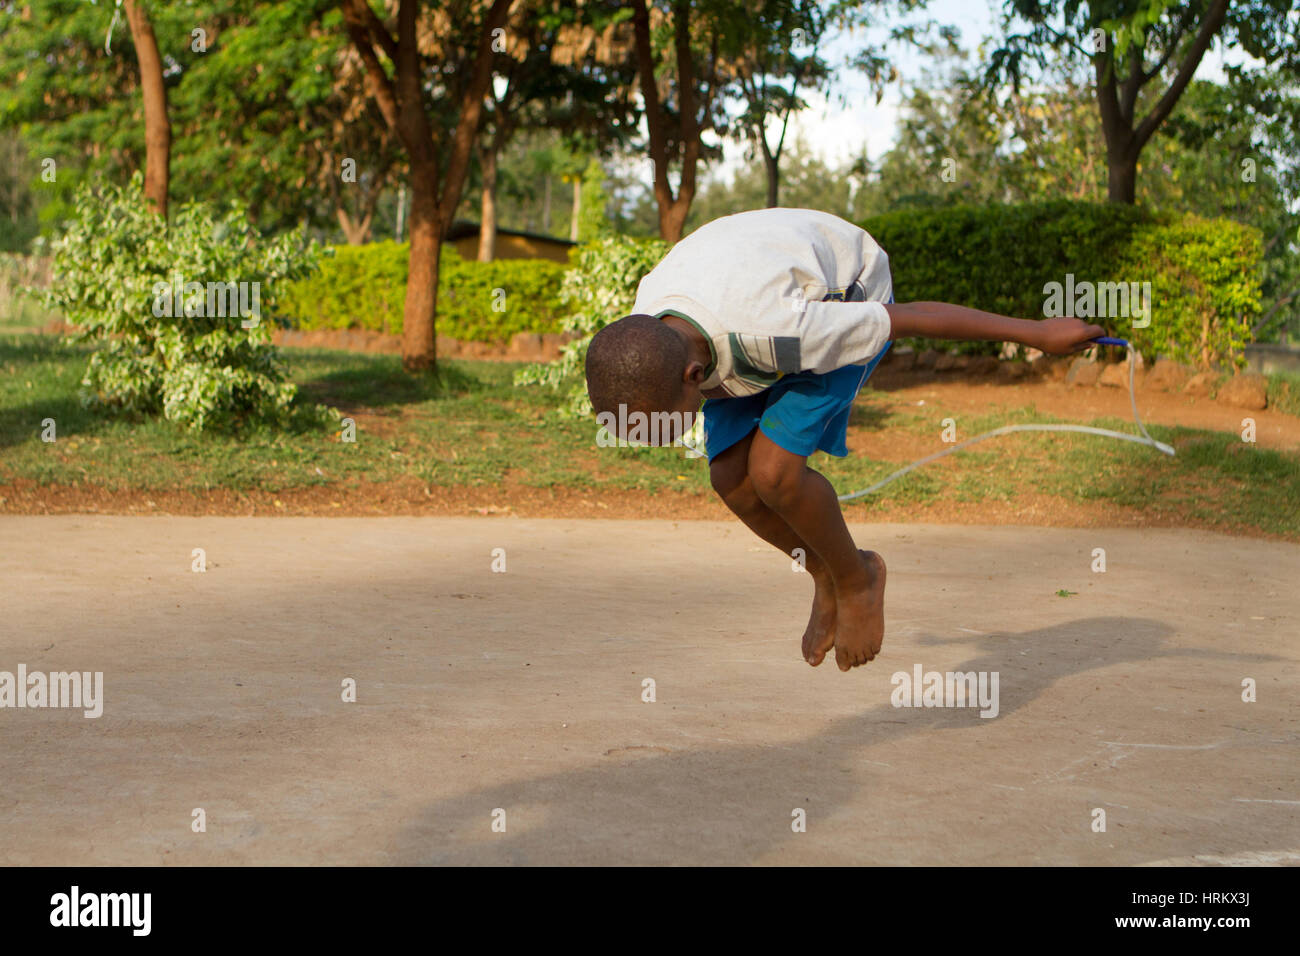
(753, 284)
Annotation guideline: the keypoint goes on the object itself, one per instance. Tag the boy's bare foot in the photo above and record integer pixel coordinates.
(860, 616)
(820, 635)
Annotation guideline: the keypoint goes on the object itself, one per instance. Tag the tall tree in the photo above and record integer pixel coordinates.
(1143, 54)
(300, 138)
(78, 106)
(436, 112)
(568, 68)
(776, 62)
(683, 103)
(264, 100)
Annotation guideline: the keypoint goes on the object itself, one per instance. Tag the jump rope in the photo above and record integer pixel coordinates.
(1143, 439)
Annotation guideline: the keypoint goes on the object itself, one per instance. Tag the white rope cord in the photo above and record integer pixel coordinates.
(1143, 439)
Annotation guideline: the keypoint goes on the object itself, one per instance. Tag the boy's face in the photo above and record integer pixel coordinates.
(691, 397)
(687, 408)
(666, 425)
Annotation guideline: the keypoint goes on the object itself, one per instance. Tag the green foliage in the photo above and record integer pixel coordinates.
(1204, 274)
(599, 289)
(114, 271)
(355, 287)
(1205, 288)
(19, 203)
(527, 291)
(593, 220)
(365, 287)
(260, 105)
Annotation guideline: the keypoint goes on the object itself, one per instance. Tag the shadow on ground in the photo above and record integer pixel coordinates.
(731, 805)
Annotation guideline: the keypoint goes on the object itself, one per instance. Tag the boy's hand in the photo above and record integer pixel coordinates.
(1061, 336)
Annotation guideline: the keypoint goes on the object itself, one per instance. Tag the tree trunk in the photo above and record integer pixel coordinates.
(419, 346)
(487, 233)
(1117, 100)
(672, 209)
(577, 208)
(672, 219)
(157, 128)
(433, 198)
(355, 231)
(773, 168)
(546, 204)
(1122, 181)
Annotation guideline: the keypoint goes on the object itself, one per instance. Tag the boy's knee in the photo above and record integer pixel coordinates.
(730, 479)
(776, 478)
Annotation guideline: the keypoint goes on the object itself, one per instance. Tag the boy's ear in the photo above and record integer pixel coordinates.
(694, 373)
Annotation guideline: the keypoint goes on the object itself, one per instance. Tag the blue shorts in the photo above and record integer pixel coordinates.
(802, 413)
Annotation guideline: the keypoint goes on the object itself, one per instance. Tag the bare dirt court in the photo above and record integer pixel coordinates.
(522, 691)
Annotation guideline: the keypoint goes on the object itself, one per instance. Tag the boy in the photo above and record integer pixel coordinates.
(776, 317)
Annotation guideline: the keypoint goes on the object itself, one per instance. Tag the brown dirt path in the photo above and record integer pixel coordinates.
(522, 691)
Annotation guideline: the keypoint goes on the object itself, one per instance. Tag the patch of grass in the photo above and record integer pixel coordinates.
(1284, 392)
(466, 426)
(21, 311)
(1215, 477)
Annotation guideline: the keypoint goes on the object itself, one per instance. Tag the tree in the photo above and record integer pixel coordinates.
(567, 68)
(157, 128)
(807, 182)
(433, 100)
(781, 51)
(264, 101)
(959, 142)
(687, 105)
(1143, 53)
(78, 106)
(1238, 156)
(300, 137)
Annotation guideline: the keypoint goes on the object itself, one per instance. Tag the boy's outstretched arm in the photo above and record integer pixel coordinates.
(943, 320)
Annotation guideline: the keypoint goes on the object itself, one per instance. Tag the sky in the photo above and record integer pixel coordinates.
(840, 126)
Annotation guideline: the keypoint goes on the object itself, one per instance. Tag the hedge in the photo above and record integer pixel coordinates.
(1204, 275)
(363, 287)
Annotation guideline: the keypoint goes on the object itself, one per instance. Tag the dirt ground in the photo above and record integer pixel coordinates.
(518, 696)
(1275, 429)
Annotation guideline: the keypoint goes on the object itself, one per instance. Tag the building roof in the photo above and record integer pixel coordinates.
(463, 228)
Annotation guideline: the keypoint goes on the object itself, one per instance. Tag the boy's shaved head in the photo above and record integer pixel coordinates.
(638, 362)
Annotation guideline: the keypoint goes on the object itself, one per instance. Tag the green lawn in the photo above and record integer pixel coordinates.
(474, 428)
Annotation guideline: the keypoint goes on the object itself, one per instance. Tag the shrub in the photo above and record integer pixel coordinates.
(188, 356)
(1204, 274)
(365, 287)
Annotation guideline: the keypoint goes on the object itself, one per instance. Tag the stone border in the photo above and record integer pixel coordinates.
(1248, 390)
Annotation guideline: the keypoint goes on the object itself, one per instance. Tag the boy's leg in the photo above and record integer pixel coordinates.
(806, 502)
(729, 473)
